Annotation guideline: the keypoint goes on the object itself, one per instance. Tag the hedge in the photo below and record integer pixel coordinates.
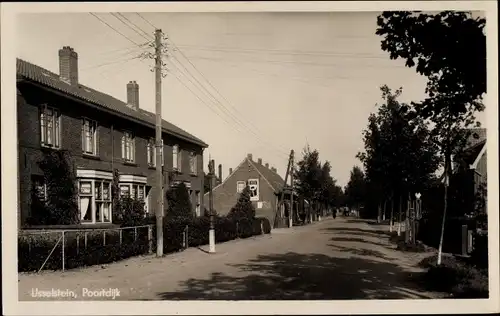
(34, 249)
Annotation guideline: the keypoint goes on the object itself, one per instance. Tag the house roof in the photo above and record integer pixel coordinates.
(471, 153)
(46, 78)
(477, 135)
(274, 180)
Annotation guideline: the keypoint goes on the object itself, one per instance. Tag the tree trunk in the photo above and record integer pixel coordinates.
(383, 214)
(392, 214)
(446, 178)
(399, 219)
(379, 210)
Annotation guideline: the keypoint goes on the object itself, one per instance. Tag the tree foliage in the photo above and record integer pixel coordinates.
(244, 208)
(313, 181)
(355, 191)
(179, 203)
(400, 154)
(61, 206)
(449, 48)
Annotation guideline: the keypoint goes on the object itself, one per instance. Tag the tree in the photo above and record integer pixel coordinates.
(449, 48)
(179, 203)
(307, 177)
(244, 208)
(61, 207)
(400, 156)
(355, 190)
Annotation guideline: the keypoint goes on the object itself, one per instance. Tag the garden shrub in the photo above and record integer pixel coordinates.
(455, 276)
(479, 255)
(266, 225)
(179, 203)
(61, 206)
(244, 208)
(129, 212)
(245, 228)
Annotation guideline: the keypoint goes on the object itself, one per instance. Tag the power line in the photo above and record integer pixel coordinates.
(201, 85)
(131, 27)
(281, 52)
(126, 37)
(216, 103)
(287, 62)
(211, 108)
(112, 63)
(140, 29)
(216, 90)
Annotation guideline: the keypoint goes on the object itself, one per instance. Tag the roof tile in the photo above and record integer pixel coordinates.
(47, 78)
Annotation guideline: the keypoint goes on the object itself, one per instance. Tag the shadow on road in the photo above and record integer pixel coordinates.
(361, 252)
(295, 276)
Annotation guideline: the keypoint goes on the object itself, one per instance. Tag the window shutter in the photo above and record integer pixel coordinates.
(96, 139)
(123, 146)
(83, 135)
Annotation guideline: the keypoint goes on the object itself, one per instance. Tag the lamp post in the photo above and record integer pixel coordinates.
(211, 233)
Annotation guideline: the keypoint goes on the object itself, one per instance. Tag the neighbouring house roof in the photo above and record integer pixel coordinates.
(274, 180)
(471, 154)
(476, 136)
(46, 78)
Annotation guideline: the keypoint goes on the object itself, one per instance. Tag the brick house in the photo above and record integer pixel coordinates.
(266, 186)
(102, 134)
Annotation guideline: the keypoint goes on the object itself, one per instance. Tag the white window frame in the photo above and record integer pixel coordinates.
(37, 187)
(54, 128)
(128, 147)
(193, 163)
(255, 197)
(238, 184)
(97, 204)
(92, 134)
(151, 150)
(176, 158)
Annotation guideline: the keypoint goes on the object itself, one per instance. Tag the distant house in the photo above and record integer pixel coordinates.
(266, 186)
(470, 168)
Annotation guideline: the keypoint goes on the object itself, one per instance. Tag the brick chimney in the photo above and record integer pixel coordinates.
(230, 170)
(68, 65)
(220, 172)
(267, 165)
(249, 157)
(259, 161)
(133, 95)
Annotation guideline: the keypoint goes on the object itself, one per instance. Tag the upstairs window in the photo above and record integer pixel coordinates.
(176, 158)
(152, 152)
(50, 127)
(193, 163)
(89, 137)
(128, 147)
(240, 186)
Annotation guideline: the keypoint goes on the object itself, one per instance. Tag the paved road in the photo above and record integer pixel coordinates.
(332, 259)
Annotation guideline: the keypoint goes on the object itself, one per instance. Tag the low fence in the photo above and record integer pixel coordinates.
(72, 248)
(66, 249)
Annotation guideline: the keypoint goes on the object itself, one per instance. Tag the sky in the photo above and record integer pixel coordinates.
(271, 82)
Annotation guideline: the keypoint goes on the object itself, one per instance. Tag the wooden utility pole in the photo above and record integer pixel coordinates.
(291, 213)
(211, 232)
(159, 149)
(281, 201)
